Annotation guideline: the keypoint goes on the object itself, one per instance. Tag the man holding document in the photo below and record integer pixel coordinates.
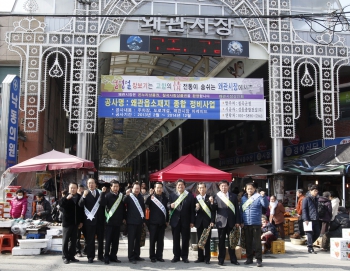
(310, 218)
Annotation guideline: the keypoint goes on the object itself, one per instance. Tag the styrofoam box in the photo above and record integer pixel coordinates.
(17, 251)
(54, 232)
(6, 215)
(55, 241)
(340, 243)
(346, 233)
(6, 224)
(55, 227)
(340, 255)
(33, 243)
(56, 248)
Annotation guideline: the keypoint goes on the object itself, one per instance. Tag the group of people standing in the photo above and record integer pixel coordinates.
(103, 214)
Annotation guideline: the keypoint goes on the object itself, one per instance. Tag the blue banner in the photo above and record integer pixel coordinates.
(156, 108)
(12, 136)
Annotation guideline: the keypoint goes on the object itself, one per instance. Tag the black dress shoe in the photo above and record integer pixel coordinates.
(259, 264)
(311, 250)
(221, 263)
(186, 261)
(207, 262)
(74, 260)
(248, 262)
(90, 260)
(101, 259)
(140, 259)
(153, 260)
(115, 260)
(133, 261)
(106, 261)
(199, 261)
(235, 262)
(175, 260)
(161, 260)
(66, 261)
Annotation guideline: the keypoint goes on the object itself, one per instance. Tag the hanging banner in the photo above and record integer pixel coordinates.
(182, 109)
(181, 87)
(9, 121)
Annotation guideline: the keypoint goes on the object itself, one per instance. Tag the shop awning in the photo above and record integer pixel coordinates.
(254, 171)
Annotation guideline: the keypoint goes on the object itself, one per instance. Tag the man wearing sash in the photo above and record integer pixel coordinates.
(252, 203)
(227, 217)
(159, 220)
(204, 218)
(93, 220)
(181, 205)
(114, 215)
(135, 218)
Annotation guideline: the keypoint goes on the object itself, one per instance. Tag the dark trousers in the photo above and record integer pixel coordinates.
(156, 235)
(223, 232)
(181, 251)
(112, 238)
(78, 246)
(324, 226)
(69, 239)
(91, 231)
(253, 241)
(204, 255)
(314, 234)
(280, 228)
(134, 237)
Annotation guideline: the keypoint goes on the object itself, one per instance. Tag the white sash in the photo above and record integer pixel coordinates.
(225, 199)
(203, 205)
(159, 204)
(91, 215)
(178, 201)
(114, 207)
(136, 201)
(250, 201)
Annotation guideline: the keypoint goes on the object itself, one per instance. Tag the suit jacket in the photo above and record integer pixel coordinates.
(201, 215)
(156, 215)
(89, 203)
(108, 200)
(224, 215)
(73, 214)
(133, 215)
(186, 214)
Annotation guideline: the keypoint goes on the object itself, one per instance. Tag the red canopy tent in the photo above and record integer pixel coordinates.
(189, 168)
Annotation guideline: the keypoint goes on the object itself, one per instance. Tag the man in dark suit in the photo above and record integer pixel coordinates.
(181, 205)
(71, 221)
(93, 220)
(227, 217)
(204, 218)
(159, 219)
(135, 218)
(114, 216)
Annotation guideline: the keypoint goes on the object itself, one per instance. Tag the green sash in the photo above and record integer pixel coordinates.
(225, 199)
(178, 201)
(114, 207)
(250, 201)
(203, 205)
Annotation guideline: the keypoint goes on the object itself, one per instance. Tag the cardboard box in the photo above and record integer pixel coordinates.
(17, 251)
(340, 255)
(340, 243)
(346, 233)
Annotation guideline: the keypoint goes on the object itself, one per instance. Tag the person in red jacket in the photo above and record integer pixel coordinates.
(18, 205)
(300, 210)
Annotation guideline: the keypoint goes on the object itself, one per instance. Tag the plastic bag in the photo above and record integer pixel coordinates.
(19, 227)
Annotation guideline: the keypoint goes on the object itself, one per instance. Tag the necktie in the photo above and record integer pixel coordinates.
(93, 193)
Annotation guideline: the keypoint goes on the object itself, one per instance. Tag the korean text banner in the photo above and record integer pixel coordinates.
(181, 87)
(215, 109)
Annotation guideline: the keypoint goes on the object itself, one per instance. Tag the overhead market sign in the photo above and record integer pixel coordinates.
(182, 98)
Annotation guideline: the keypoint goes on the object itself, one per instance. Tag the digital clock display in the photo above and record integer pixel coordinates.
(185, 46)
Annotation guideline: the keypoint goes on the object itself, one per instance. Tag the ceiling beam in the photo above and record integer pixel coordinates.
(195, 68)
(148, 66)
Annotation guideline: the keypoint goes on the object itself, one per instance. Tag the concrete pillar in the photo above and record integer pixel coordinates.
(278, 186)
(81, 145)
(277, 164)
(146, 171)
(206, 141)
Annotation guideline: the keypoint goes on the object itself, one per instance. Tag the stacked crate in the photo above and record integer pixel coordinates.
(340, 247)
(278, 247)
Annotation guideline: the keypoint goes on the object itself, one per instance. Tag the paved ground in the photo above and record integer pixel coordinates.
(295, 257)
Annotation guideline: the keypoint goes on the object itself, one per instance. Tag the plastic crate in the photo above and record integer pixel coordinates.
(277, 247)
